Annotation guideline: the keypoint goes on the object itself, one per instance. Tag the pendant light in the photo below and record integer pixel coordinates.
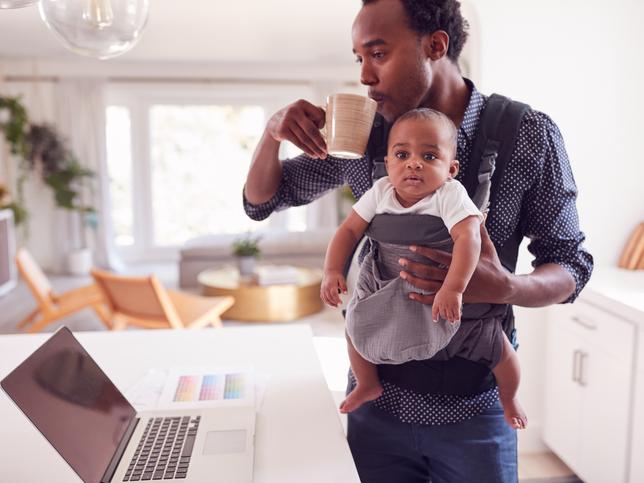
(96, 28)
(16, 3)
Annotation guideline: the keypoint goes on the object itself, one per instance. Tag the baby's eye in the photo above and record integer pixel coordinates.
(402, 154)
(429, 157)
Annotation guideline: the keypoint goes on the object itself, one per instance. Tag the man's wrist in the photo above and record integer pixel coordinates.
(511, 284)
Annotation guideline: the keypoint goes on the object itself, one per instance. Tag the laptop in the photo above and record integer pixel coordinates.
(82, 414)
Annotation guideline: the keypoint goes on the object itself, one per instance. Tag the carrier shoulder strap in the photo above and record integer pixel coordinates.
(496, 137)
(377, 147)
(495, 141)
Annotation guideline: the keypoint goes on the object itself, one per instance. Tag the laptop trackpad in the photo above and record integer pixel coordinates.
(221, 442)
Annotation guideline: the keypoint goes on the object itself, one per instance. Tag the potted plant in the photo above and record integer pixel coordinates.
(42, 150)
(62, 172)
(6, 202)
(247, 251)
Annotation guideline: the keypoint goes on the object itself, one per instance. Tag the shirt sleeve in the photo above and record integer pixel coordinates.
(366, 206)
(304, 179)
(455, 205)
(552, 221)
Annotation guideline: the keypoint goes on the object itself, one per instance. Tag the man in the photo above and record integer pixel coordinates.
(436, 421)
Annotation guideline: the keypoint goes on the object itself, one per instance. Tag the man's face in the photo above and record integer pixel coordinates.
(394, 65)
(420, 158)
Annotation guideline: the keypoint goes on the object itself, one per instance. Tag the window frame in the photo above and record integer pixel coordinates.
(139, 98)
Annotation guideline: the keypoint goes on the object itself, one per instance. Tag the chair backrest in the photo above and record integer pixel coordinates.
(33, 275)
(142, 298)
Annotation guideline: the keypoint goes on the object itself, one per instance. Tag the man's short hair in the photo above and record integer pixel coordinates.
(427, 114)
(428, 16)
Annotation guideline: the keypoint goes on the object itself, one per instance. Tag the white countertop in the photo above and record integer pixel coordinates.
(298, 435)
(617, 290)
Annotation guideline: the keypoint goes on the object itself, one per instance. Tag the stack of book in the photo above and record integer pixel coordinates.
(277, 275)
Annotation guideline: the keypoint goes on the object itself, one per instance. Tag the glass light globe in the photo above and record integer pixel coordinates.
(96, 28)
(16, 3)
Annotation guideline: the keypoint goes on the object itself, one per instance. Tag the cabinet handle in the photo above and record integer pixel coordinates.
(584, 323)
(581, 380)
(575, 360)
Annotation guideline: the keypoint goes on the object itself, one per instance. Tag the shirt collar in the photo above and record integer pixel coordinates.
(473, 112)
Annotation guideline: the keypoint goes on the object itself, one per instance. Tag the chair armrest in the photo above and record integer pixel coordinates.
(191, 308)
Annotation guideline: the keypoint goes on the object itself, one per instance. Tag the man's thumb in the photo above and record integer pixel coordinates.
(486, 241)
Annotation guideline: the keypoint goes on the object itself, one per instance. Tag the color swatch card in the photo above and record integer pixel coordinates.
(193, 387)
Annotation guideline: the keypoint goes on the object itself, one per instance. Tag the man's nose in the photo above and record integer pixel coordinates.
(367, 75)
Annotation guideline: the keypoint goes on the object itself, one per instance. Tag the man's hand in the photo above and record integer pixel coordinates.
(490, 283)
(300, 123)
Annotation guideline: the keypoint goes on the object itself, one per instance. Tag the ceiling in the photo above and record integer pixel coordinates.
(209, 31)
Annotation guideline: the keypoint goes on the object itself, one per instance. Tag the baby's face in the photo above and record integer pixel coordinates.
(420, 158)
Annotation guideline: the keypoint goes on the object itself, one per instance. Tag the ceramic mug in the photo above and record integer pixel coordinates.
(348, 124)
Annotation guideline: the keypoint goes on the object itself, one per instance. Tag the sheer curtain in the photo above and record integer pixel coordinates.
(40, 228)
(80, 117)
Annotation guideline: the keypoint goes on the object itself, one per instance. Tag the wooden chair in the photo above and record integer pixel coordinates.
(52, 307)
(143, 301)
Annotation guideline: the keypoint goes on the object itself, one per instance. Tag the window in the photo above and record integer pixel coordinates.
(119, 164)
(177, 165)
(199, 159)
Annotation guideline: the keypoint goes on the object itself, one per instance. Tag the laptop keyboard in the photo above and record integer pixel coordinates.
(164, 450)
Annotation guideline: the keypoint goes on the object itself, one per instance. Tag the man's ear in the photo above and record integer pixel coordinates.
(453, 168)
(435, 45)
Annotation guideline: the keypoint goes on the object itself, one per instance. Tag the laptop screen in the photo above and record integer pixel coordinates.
(72, 402)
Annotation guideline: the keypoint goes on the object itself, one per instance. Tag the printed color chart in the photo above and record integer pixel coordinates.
(210, 387)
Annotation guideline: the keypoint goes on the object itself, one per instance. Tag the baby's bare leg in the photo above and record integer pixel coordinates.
(368, 385)
(508, 374)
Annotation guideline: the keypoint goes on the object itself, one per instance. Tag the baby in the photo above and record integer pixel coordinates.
(382, 321)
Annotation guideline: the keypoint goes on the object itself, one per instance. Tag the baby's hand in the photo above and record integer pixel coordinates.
(447, 305)
(333, 284)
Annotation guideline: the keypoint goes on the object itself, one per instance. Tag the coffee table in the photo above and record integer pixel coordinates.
(264, 303)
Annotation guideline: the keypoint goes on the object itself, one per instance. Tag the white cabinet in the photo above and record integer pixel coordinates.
(563, 393)
(637, 452)
(589, 368)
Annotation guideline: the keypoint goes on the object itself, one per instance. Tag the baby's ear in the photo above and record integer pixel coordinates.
(387, 163)
(453, 168)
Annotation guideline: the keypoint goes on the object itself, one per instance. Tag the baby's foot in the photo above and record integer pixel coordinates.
(360, 395)
(514, 414)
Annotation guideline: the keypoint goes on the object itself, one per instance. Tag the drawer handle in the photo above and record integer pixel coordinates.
(582, 358)
(584, 323)
(575, 361)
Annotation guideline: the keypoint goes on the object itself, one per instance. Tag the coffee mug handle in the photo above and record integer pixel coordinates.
(323, 129)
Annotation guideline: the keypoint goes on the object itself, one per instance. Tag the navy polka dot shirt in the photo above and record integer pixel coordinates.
(538, 193)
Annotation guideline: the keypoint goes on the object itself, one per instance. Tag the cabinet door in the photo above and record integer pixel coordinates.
(562, 394)
(605, 417)
(637, 451)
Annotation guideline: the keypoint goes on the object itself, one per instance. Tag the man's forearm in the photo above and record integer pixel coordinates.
(265, 171)
(548, 284)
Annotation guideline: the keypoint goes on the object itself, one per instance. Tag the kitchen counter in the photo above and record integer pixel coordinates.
(618, 291)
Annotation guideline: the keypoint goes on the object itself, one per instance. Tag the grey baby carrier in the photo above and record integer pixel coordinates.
(385, 326)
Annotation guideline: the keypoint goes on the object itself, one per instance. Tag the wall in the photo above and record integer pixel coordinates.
(580, 61)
